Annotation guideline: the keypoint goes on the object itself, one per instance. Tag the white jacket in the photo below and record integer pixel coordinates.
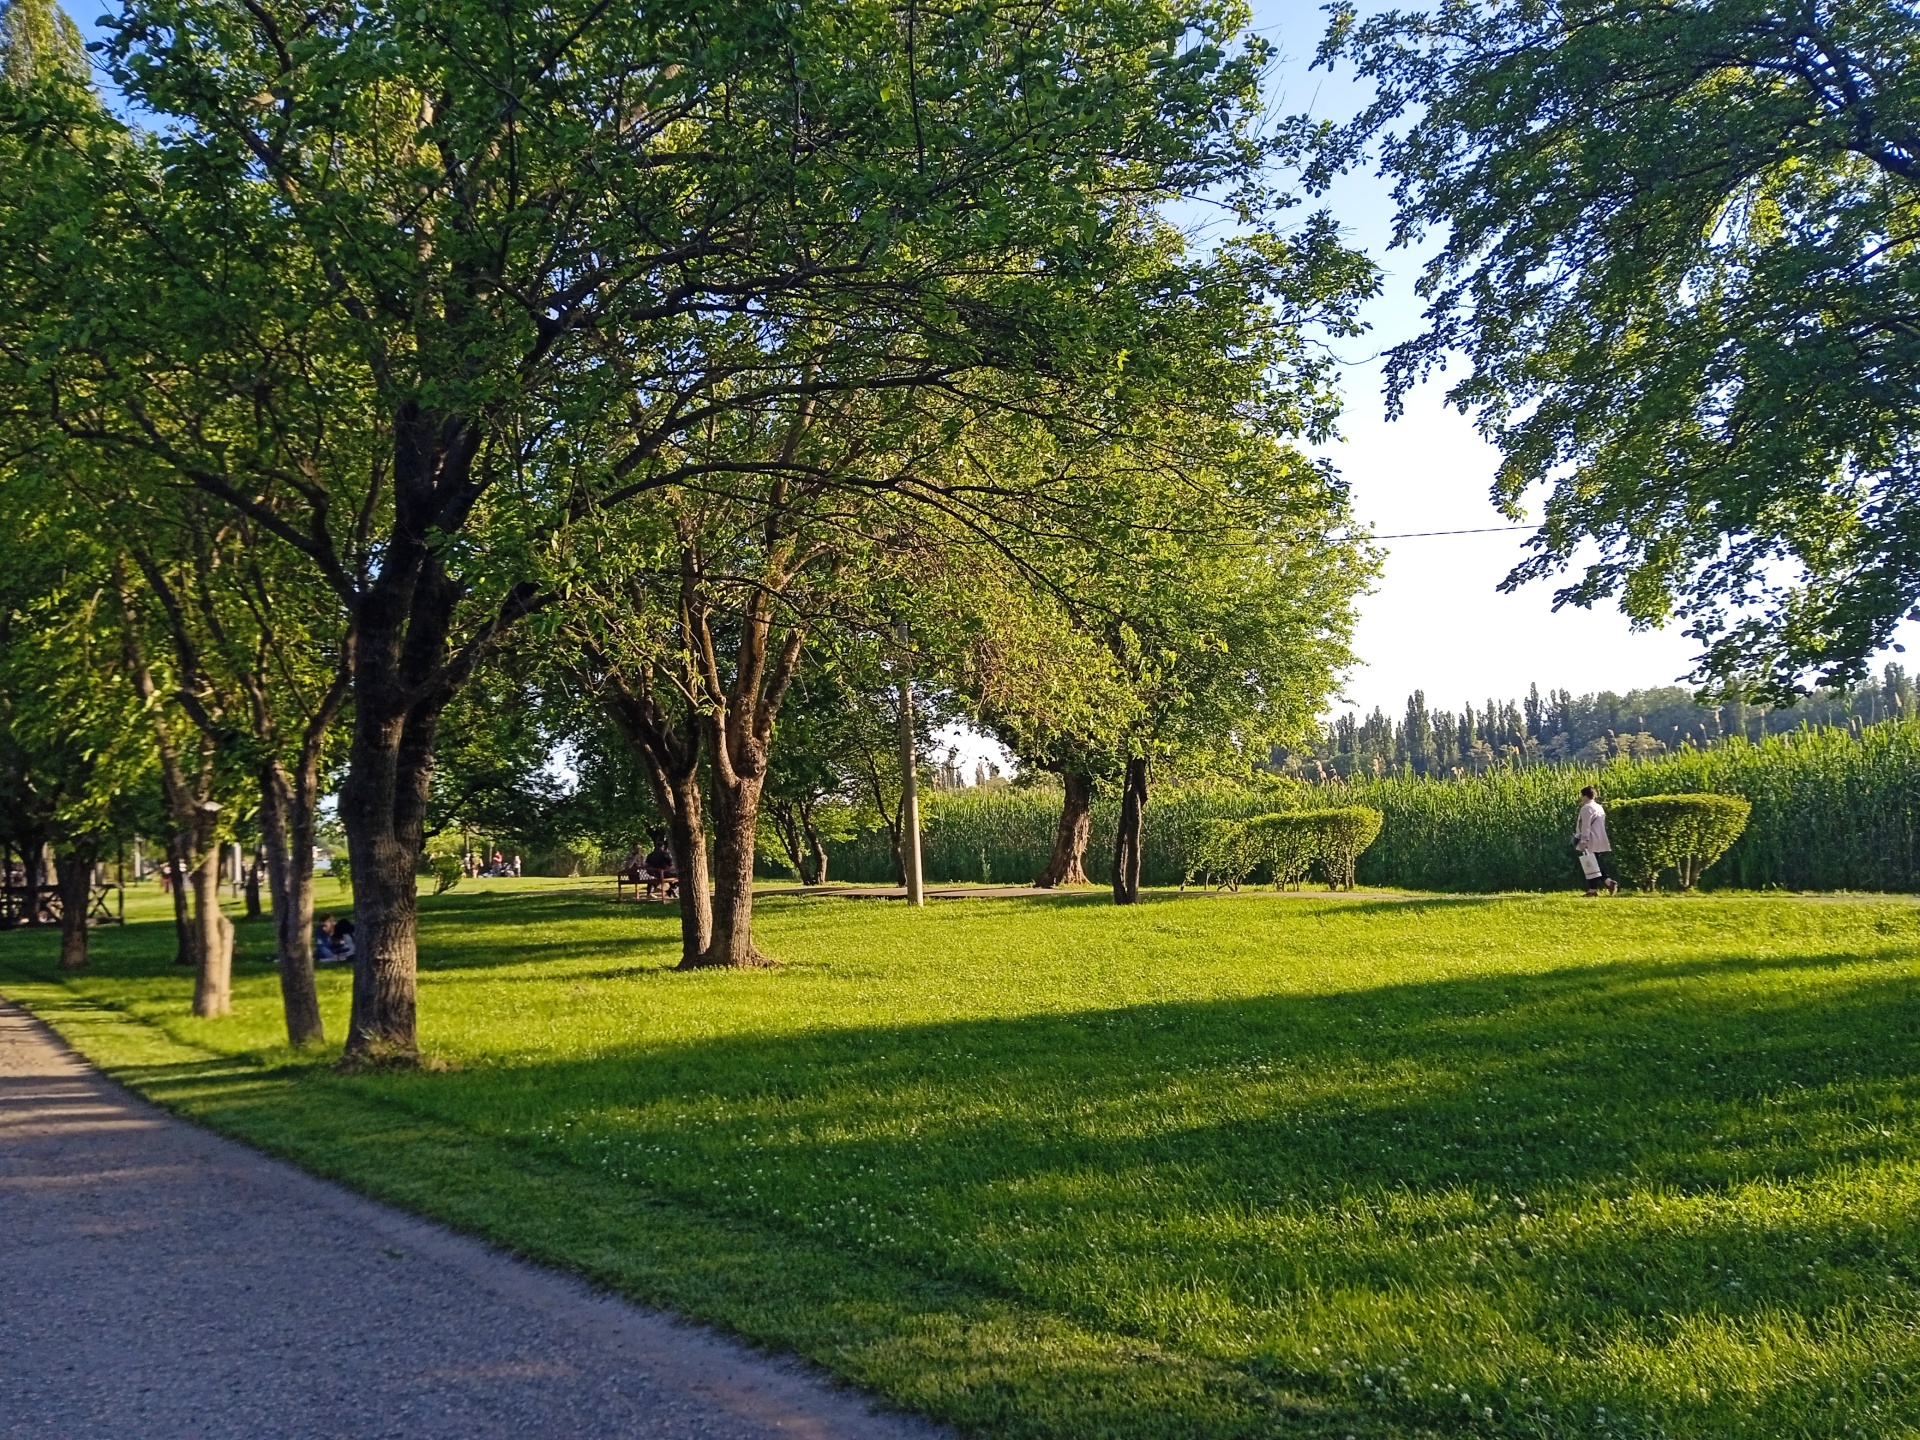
(1590, 830)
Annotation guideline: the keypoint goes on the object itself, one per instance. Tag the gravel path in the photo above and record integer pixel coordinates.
(157, 1280)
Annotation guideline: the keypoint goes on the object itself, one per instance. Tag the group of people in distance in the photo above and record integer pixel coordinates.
(333, 939)
(477, 867)
(653, 870)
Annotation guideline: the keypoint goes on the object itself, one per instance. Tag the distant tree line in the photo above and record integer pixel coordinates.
(1558, 727)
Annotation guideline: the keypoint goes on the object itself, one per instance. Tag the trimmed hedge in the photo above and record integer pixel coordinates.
(1832, 809)
(1652, 834)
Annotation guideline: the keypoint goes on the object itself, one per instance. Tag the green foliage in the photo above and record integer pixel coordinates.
(1682, 833)
(447, 872)
(1345, 835)
(1292, 843)
(1221, 853)
(1287, 844)
(38, 38)
(1209, 1168)
(1833, 809)
(1674, 239)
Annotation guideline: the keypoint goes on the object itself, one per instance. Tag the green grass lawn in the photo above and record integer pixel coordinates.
(1351, 1166)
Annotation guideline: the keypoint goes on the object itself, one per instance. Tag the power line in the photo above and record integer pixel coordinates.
(1425, 534)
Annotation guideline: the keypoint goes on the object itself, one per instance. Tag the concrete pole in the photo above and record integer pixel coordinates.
(909, 783)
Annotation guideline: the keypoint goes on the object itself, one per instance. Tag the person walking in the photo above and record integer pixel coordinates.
(1590, 843)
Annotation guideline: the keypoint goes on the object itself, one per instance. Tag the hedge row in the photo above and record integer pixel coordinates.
(1833, 809)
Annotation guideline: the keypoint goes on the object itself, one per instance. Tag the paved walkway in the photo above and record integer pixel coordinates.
(157, 1280)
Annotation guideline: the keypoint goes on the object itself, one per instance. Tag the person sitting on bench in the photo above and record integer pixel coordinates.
(663, 880)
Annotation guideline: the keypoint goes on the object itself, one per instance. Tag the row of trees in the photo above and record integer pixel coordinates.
(1560, 728)
(401, 364)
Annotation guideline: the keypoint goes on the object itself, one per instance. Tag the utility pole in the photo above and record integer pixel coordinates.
(909, 781)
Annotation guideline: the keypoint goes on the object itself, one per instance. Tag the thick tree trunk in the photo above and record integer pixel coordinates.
(405, 670)
(687, 837)
(213, 938)
(385, 900)
(75, 864)
(1067, 864)
(1127, 835)
(736, 818)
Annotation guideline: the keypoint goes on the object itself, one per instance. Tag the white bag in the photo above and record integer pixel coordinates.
(1589, 865)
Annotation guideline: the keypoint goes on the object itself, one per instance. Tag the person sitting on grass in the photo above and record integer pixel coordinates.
(1590, 843)
(343, 940)
(323, 940)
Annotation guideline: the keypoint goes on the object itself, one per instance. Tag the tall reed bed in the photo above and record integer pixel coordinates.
(1833, 809)
(1003, 836)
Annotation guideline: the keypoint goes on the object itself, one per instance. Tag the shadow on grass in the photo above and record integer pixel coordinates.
(1501, 1176)
(1478, 1164)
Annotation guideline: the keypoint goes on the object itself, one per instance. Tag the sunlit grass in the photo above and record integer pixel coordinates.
(1211, 1166)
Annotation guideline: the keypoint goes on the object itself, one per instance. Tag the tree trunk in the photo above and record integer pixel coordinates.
(179, 869)
(668, 749)
(273, 842)
(817, 845)
(75, 864)
(1067, 864)
(785, 816)
(383, 787)
(736, 816)
(213, 937)
(687, 836)
(286, 816)
(405, 670)
(1127, 836)
(33, 861)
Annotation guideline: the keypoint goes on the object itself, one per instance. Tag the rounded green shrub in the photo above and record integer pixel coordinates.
(1218, 854)
(1348, 832)
(1683, 833)
(1293, 842)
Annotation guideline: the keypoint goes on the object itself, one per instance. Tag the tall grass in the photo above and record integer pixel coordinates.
(1833, 809)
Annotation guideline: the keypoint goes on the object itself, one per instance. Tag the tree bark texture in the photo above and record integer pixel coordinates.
(738, 724)
(736, 815)
(1067, 864)
(1128, 834)
(289, 846)
(213, 932)
(75, 863)
(405, 670)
